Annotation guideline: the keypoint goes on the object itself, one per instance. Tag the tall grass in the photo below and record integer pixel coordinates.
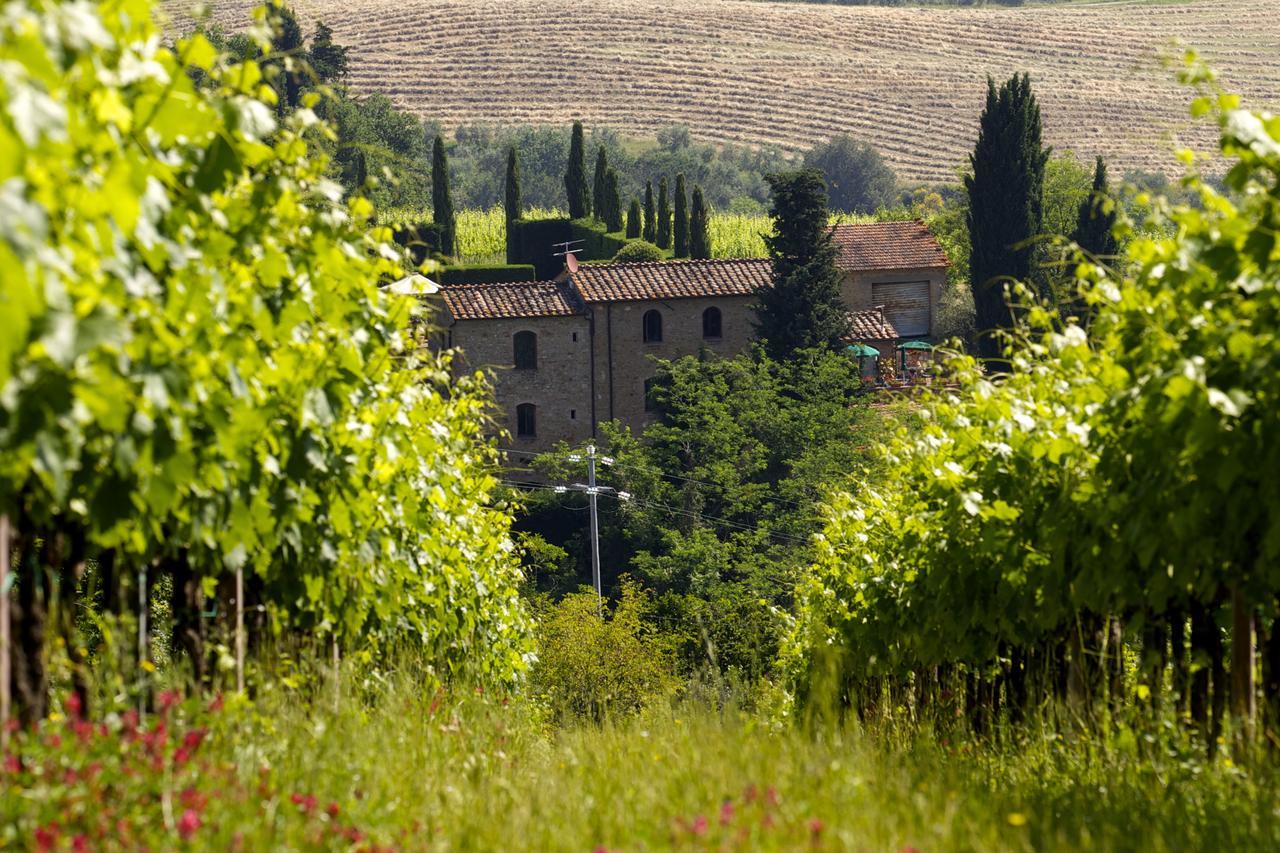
(465, 772)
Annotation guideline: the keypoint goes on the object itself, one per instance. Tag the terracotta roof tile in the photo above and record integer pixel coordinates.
(871, 326)
(671, 279)
(887, 246)
(512, 299)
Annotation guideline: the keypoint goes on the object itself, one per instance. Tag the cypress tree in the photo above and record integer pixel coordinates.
(286, 41)
(633, 220)
(682, 219)
(1005, 203)
(442, 200)
(803, 307)
(514, 207)
(575, 177)
(612, 202)
(600, 187)
(663, 232)
(699, 239)
(1095, 220)
(650, 231)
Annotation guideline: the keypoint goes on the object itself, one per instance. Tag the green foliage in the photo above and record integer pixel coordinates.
(198, 361)
(442, 200)
(597, 244)
(1125, 472)
(327, 58)
(664, 216)
(638, 251)
(598, 667)
(612, 217)
(681, 230)
(650, 232)
(634, 227)
(802, 308)
(699, 238)
(575, 176)
(513, 208)
(1096, 219)
(858, 179)
(486, 274)
(599, 187)
(532, 242)
(1005, 203)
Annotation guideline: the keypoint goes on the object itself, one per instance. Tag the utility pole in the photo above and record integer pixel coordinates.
(595, 527)
(593, 490)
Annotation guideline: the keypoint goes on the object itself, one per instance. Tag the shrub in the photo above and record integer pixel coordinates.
(638, 251)
(594, 666)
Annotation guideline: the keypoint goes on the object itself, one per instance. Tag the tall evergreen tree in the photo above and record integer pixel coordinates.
(442, 200)
(682, 219)
(612, 202)
(802, 307)
(575, 177)
(286, 41)
(633, 220)
(699, 239)
(650, 230)
(1006, 206)
(663, 232)
(328, 59)
(600, 187)
(514, 206)
(1096, 219)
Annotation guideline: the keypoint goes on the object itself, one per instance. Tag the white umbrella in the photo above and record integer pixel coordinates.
(413, 285)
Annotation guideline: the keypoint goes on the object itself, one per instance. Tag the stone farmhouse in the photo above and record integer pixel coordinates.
(571, 353)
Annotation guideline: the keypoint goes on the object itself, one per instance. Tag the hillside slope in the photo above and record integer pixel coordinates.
(909, 80)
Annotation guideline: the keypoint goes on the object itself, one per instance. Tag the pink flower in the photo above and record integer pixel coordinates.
(12, 764)
(73, 706)
(80, 843)
(699, 825)
(168, 698)
(726, 813)
(305, 802)
(815, 827)
(188, 823)
(47, 837)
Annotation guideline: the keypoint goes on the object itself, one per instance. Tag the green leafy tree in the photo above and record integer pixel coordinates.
(633, 220)
(575, 177)
(513, 207)
(612, 202)
(699, 239)
(663, 230)
(600, 187)
(1005, 203)
(681, 219)
(442, 200)
(328, 58)
(858, 179)
(287, 58)
(802, 307)
(650, 232)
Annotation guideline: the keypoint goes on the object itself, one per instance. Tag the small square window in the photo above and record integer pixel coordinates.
(573, 414)
(575, 337)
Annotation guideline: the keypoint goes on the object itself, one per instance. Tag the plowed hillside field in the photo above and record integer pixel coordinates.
(909, 80)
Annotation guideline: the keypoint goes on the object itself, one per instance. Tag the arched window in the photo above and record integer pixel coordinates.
(650, 404)
(526, 350)
(652, 327)
(526, 420)
(711, 323)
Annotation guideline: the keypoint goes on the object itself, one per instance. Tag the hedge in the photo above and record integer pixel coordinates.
(534, 241)
(487, 274)
(423, 239)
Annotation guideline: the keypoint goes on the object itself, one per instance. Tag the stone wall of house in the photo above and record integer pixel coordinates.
(856, 288)
(560, 386)
(621, 375)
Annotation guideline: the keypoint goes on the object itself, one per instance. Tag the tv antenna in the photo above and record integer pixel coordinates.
(565, 248)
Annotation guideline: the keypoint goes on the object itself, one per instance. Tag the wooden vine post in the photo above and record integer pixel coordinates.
(1243, 703)
(239, 630)
(4, 630)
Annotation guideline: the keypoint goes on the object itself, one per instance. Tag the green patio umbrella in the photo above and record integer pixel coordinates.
(863, 351)
(917, 345)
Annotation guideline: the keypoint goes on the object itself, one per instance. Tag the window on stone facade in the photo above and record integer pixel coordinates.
(526, 420)
(711, 323)
(650, 404)
(652, 327)
(525, 345)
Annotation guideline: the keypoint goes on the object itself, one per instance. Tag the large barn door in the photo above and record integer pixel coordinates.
(906, 305)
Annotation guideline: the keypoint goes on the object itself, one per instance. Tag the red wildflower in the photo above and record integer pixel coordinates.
(193, 738)
(80, 843)
(69, 776)
(306, 802)
(216, 703)
(188, 823)
(771, 796)
(354, 835)
(54, 741)
(767, 823)
(12, 764)
(73, 706)
(699, 825)
(168, 698)
(332, 809)
(749, 795)
(47, 837)
(726, 813)
(815, 827)
(181, 756)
